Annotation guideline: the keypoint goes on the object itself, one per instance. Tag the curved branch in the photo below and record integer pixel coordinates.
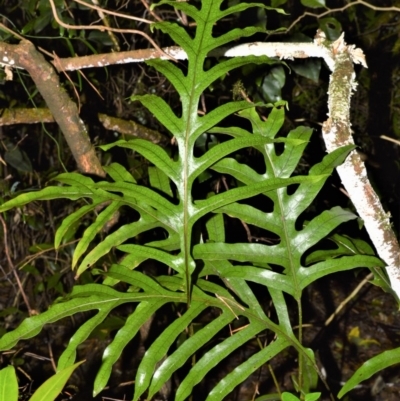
(337, 133)
(336, 10)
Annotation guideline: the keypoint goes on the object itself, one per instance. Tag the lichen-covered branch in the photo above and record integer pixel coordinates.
(26, 116)
(131, 128)
(336, 133)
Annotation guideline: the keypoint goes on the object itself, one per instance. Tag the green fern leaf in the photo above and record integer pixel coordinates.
(143, 313)
(93, 229)
(151, 152)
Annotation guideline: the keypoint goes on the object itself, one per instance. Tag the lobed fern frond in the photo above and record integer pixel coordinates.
(169, 204)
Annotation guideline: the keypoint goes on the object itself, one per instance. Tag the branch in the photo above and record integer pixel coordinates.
(131, 128)
(289, 51)
(336, 133)
(43, 115)
(25, 116)
(64, 110)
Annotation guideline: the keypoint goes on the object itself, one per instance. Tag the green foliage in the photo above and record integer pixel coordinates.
(313, 3)
(370, 367)
(207, 271)
(8, 384)
(308, 397)
(48, 391)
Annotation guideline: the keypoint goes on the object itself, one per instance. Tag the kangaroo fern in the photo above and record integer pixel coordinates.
(169, 204)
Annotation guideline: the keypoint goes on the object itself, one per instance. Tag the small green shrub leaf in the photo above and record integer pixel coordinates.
(8, 384)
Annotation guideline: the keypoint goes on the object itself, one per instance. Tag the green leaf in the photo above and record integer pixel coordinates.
(52, 387)
(241, 172)
(217, 115)
(225, 148)
(72, 219)
(158, 179)
(74, 179)
(147, 252)
(234, 35)
(171, 213)
(249, 273)
(289, 397)
(215, 228)
(140, 198)
(118, 172)
(269, 128)
(178, 35)
(313, 3)
(8, 384)
(188, 9)
(312, 396)
(331, 27)
(114, 239)
(152, 152)
(158, 350)
(236, 194)
(309, 68)
(237, 8)
(210, 359)
(50, 193)
(173, 74)
(187, 349)
(18, 159)
(67, 358)
(277, 3)
(307, 275)
(370, 367)
(102, 219)
(224, 67)
(33, 325)
(321, 226)
(143, 313)
(243, 371)
(241, 252)
(310, 374)
(163, 112)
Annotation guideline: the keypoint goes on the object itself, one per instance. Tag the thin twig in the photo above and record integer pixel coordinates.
(151, 12)
(348, 299)
(336, 10)
(388, 138)
(105, 28)
(13, 269)
(103, 10)
(6, 29)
